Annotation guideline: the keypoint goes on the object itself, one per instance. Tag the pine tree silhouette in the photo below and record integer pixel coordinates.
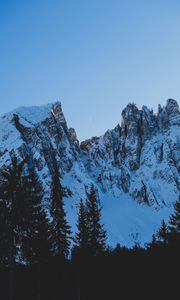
(3, 231)
(153, 245)
(97, 234)
(162, 233)
(10, 197)
(174, 222)
(174, 226)
(82, 236)
(36, 245)
(61, 232)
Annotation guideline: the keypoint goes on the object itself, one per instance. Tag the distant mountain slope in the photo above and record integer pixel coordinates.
(135, 166)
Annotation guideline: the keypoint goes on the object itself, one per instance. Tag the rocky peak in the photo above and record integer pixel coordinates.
(131, 130)
(137, 122)
(131, 121)
(130, 113)
(168, 115)
(147, 123)
(73, 136)
(58, 113)
(172, 107)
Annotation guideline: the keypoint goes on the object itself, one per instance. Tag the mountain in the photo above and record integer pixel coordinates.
(135, 166)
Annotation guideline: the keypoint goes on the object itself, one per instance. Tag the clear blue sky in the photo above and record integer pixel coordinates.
(94, 55)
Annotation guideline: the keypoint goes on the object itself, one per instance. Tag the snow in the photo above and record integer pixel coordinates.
(123, 218)
(33, 114)
(122, 215)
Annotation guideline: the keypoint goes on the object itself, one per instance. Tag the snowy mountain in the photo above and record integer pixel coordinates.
(135, 167)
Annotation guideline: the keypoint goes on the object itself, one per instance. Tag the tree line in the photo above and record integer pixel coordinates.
(168, 235)
(28, 233)
(41, 259)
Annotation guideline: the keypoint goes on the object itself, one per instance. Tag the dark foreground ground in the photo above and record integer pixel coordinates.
(121, 274)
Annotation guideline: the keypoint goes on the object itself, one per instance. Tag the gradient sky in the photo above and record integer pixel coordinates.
(93, 55)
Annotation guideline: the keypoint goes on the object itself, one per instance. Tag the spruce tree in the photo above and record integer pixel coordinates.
(162, 233)
(3, 232)
(11, 204)
(153, 244)
(10, 198)
(174, 222)
(174, 226)
(60, 229)
(97, 234)
(82, 236)
(36, 245)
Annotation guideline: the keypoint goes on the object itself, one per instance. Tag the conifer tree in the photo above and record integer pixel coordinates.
(60, 229)
(97, 234)
(10, 198)
(153, 244)
(3, 232)
(174, 226)
(82, 236)
(11, 204)
(36, 245)
(162, 233)
(174, 222)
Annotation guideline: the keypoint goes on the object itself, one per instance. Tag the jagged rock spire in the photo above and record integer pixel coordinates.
(172, 107)
(58, 112)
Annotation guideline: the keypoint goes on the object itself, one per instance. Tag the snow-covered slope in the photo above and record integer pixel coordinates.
(135, 166)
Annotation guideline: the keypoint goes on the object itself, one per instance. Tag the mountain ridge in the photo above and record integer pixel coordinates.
(136, 161)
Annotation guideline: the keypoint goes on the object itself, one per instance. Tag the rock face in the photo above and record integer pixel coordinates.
(138, 162)
(141, 157)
